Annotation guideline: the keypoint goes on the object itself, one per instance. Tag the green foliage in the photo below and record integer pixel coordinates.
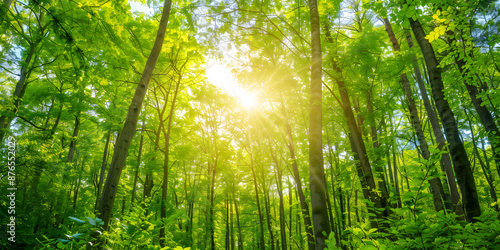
(79, 237)
(86, 61)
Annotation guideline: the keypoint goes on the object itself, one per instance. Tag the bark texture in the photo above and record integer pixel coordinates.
(461, 163)
(316, 169)
(438, 133)
(436, 185)
(125, 138)
(484, 114)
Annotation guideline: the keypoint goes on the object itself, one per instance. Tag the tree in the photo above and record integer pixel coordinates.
(123, 141)
(316, 169)
(461, 163)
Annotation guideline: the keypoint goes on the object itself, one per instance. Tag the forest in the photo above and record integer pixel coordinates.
(263, 124)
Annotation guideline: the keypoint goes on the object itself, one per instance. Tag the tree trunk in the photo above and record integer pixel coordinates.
(261, 222)
(166, 134)
(316, 169)
(436, 128)
(487, 174)
(484, 114)
(304, 207)
(358, 147)
(77, 186)
(103, 170)
(240, 236)
(231, 226)
(125, 138)
(72, 144)
(267, 205)
(334, 163)
(377, 161)
(134, 187)
(436, 185)
(279, 185)
(459, 155)
(20, 87)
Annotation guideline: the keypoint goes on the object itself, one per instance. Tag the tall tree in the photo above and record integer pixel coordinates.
(317, 182)
(125, 138)
(436, 185)
(461, 163)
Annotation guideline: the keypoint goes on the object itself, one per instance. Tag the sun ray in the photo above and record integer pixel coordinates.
(221, 76)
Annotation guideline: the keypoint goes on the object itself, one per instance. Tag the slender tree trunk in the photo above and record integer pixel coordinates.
(267, 205)
(103, 170)
(134, 187)
(304, 207)
(487, 174)
(77, 186)
(358, 147)
(436, 128)
(279, 184)
(212, 193)
(435, 183)
(484, 114)
(334, 163)
(394, 165)
(163, 210)
(316, 170)
(261, 221)
(20, 89)
(387, 154)
(125, 138)
(240, 236)
(231, 227)
(72, 144)
(377, 161)
(459, 155)
(359, 152)
(228, 237)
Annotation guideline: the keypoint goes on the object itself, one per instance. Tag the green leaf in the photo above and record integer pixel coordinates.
(368, 247)
(61, 245)
(406, 23)
(76, 219)
(77, 235)
(91, 221)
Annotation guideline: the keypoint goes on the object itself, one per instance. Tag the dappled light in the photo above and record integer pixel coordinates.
(260, 125)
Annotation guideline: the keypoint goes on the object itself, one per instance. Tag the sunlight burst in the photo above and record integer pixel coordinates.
(247, 100)
(221, 76)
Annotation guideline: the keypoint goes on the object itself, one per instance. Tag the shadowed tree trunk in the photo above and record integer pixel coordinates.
(134, 187)
(304, 207)
(461, 163)
(103, 170)
(105, 208)
(486, 172)
(441, 141)
(484, 114)
(436, 185)
(72, 144)
(358, 147)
